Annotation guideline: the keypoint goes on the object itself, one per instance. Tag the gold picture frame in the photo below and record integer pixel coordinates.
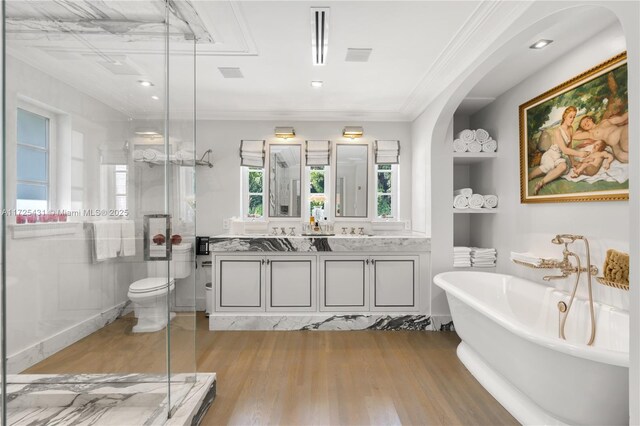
(588, 114)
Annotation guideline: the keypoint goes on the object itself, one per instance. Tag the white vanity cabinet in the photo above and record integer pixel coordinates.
(369, 283)
(344, 283)
(257, 283)
(395, 283)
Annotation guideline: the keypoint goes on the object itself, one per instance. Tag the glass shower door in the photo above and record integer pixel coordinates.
(90, 150)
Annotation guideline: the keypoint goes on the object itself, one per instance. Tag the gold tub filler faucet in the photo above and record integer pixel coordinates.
(567, 269)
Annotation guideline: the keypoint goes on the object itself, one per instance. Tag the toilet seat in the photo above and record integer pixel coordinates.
(148, 285)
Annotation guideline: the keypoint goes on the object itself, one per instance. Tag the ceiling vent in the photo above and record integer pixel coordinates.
(319, 34)
(358, 55)
(230, 72)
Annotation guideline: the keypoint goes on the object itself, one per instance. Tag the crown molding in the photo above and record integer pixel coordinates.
(473, 39)
(266, 115)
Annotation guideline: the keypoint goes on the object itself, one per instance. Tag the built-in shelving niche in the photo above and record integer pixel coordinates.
(477, 171)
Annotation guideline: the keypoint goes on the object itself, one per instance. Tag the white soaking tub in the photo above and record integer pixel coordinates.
(510, 343)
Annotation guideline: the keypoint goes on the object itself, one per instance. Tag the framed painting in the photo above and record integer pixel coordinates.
(574, 140)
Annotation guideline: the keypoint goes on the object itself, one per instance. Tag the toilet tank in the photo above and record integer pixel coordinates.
(181, 263)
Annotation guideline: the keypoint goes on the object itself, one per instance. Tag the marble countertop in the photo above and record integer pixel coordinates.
(405, 242)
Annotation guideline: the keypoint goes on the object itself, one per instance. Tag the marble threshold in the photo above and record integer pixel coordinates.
(219, 322)
(108, 399)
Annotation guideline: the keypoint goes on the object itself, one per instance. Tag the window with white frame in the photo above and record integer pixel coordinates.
(33, 165)
(120, 172)
(387, 191)
(318, 195)
(253, 192)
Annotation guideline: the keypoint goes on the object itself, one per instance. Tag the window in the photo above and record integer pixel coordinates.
(33, 189)
(386, 191)
(318, 196)
(77, 170)
(121, 186)
(254, 197)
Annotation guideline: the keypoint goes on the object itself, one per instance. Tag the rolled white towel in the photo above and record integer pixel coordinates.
(138, 155)
(490, 146)
(474, 146)
(476, 201)
(460, 202)
(482, 135)
(490, 201)
(149, 154)
(467, 192)
(460, 146)
(467, 135)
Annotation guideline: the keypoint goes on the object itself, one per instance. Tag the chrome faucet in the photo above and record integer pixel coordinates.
(567, 269)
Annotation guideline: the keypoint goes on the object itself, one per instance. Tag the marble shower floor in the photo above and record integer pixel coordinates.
(106, 399)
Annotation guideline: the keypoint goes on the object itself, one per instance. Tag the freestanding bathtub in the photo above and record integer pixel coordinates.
(510, 343)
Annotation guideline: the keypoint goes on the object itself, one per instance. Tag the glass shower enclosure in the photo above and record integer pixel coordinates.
(98, 180)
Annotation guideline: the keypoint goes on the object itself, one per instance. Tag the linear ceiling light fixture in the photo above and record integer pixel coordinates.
(353, 132)
(316, 84)
(285, 132)
(319, 34)
(540, 44)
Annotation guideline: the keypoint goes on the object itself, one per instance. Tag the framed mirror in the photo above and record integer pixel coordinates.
(352, 162)
(285, 171)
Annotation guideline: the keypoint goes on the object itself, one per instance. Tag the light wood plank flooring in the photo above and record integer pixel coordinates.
(298, 378)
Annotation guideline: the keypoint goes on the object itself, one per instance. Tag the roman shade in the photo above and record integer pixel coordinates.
(387, 152)
(252, 153)
(318, 153)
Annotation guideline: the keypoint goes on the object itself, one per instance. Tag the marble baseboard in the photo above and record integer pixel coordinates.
(108, 399)
(321, 322)
(442, 323)
(32, 355)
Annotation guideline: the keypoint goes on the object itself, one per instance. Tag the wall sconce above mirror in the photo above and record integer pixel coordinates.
(285, 132)
(353, 132)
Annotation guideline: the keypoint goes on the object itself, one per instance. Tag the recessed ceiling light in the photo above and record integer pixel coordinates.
(145, 83)
(540, 44)
(317, 84)
(155, 98)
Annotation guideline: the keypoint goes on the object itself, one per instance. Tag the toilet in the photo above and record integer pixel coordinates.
(149, 295)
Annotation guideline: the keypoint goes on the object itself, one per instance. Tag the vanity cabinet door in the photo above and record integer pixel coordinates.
(344, 284)
(291, 283)
(240, 283)
(394, 284)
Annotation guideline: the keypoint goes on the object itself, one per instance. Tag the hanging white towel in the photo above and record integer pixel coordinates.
(128, 237)
(460, 202)
(115, 238)
(482, 135)
(460, 146)
(474, 146)
(100, 240)
(466, 135)
(476, 201)
(490, 201)
(467, 192)
(490, 146)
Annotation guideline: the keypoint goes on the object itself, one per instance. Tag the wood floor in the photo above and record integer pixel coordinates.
(299, 378)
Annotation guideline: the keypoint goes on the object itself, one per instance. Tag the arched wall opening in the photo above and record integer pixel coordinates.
(527, 227)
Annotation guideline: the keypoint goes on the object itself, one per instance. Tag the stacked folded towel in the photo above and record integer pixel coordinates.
(474, 141)
(528, 258)
(465, 198)
(461, 257)
(616, 267)
(483, 257)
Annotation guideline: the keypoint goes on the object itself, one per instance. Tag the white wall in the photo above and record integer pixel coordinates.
(529, 227)
(55, 294)
(218, 190)
(433, 125)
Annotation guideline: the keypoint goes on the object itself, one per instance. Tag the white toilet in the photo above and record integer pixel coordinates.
(149, 295)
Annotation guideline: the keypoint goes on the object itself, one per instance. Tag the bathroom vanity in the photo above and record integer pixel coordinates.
(335, 282)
